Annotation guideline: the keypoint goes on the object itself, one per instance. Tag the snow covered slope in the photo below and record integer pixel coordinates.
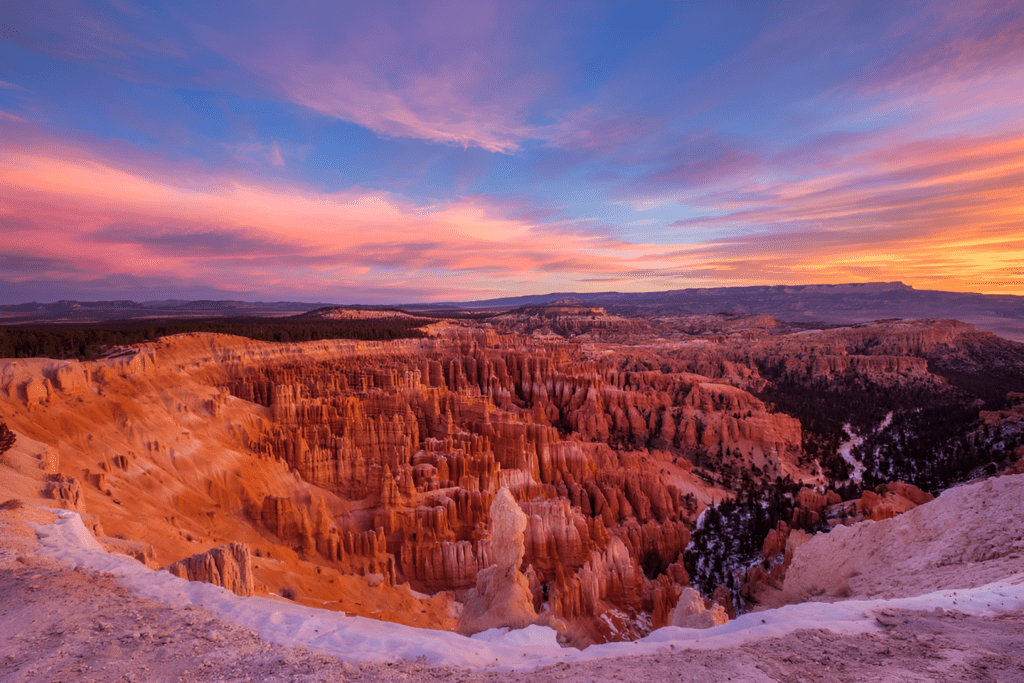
(969, 536)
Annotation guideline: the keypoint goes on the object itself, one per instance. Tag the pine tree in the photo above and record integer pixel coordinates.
(7, 438)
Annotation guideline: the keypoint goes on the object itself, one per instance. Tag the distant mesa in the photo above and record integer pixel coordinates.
(91, 311)
(562, 307)
(354, 313)
(831, 304)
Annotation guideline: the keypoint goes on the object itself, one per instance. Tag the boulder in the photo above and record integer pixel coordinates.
(691, 612)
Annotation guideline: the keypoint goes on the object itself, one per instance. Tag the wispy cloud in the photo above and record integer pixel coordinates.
(20, 265)
(189, 242)
(901, 210)
(222, 231)
(444, 72)
(960, 43)
(939, 212)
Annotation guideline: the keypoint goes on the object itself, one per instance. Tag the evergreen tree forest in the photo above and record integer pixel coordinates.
(93, 340)
(928, 435)
(931, 449)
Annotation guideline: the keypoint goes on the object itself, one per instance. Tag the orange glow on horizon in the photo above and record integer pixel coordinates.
(358, 238)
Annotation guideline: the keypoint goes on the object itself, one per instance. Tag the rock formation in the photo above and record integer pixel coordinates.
(691, 612)
(228, 566)
(66, 491)
(502, 596)
(885, 502)
(949, 542)
(143, 552)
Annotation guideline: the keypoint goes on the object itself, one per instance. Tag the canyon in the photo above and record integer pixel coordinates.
(558, 465)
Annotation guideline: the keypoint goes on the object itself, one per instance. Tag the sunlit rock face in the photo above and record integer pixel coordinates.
(547, 466)
(593, 446)
(427, 439)
(501, 597)
(229, 566)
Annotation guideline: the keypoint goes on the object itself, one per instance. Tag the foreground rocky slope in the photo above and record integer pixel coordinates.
(361, 476)
(118, 635)
(969, 537)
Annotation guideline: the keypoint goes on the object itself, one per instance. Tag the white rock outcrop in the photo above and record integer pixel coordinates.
(502, 596)
(690, 612)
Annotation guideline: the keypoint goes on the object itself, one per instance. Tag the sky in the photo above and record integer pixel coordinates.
(398, 152)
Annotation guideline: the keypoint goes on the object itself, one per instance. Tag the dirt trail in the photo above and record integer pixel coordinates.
(58, 624)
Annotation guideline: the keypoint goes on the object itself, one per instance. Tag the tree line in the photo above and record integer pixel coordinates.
(93, 340)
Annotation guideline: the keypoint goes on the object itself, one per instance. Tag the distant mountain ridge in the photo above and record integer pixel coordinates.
(1002, 314)
(71, 311)
(701, 298)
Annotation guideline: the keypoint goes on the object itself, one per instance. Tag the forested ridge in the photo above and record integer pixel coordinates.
(927, 435)
(93, 340)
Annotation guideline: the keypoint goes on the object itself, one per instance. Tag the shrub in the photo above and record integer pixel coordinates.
(7, 438)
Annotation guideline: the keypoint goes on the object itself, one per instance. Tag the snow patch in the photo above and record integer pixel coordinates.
(852, 441)
(530, 637)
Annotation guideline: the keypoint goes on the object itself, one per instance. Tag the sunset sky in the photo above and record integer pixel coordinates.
(385, 152)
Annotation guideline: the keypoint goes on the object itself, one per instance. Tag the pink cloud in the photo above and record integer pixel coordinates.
(75, 30)
(275, 155)
(229, 233)
(953, 43)
(441, 72)
(716, 167)
(941, 214)
(594, 131)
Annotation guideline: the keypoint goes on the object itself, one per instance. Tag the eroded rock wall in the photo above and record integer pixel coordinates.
(228, 566)
(426, 440)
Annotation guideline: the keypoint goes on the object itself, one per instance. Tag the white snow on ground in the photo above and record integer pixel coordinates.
(357, 639)
(532, 635)
(846, 451)
(852, 441)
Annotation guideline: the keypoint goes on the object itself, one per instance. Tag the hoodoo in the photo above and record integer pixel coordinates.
(502, 595)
